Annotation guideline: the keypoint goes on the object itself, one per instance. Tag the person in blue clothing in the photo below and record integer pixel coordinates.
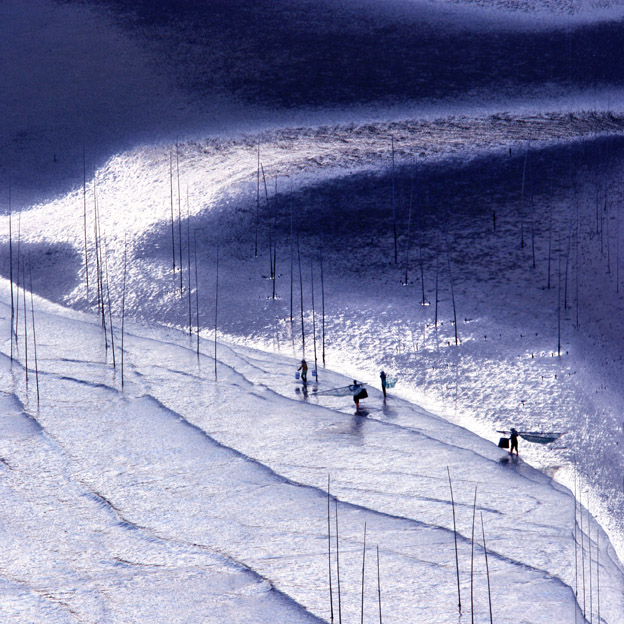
(382, 376)
(514, 441)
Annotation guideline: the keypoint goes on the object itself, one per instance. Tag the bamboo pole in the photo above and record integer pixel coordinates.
(313, 318)
(474, 513)
(575, 538)
(420, 252)
(591, 589)
(179, 219)
(17, 284)
(363, 569)
(32, 314)
(532, 210)
(110, 309)
(322, 309)
(188, 263)
(268, 206)
(96, 242)
(526, 156)
(437, 281)
(84, 216)
(455, 536)
(100, 263)
(487, 569)
(331, 592)
(559, 297)
(448, 261)
(409, 229)
(598, 573)
(338, 564)
(123, 310)
(291, 262)
(273, 221)
(394, 225)
(301, 295)
(216, 312)
(196, 290)
(257, 202)
(379, 585)
(12, 329)
(172, 217)
(582, 554)
(25, 324)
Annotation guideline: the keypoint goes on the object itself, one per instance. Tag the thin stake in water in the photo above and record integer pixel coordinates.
(338, 564)
(301, 295)
(363, 569)
(322, 310)
(179, 218)
(216, 312)
(172, 218)
(396, 252)
(196, 290)
(598, 572)
(379, 585)
(313, 318)
(487, 569)
(17, 284)
(123, 309)
(331, 593)
(188, 262)
(84, 216)
(257, 202)
(110, 309)
(409, 228)
(32, 313)
(25, 324)
(455, 537)
(474, 513)
(12, 330)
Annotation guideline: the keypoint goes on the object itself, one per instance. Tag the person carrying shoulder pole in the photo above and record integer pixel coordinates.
(304, 371)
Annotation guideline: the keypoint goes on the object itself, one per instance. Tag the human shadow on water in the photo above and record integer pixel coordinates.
(389, 412)
(357, 422)
(302, 391)
(509, 460)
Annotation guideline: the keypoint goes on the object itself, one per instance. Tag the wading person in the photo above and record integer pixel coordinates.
(513, 439)
(382, 376)
(304, 371)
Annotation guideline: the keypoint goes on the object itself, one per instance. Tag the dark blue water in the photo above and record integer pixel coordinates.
(309, 53)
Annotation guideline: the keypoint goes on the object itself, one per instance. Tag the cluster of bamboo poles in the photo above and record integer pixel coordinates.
(336, 558)
(17, 277)
(336, 615)
(587, 580)
(96, 261)
(270, 218)
(565, 239)
(472, 555)
(191, 269)
(443, 248)
(96, 258)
